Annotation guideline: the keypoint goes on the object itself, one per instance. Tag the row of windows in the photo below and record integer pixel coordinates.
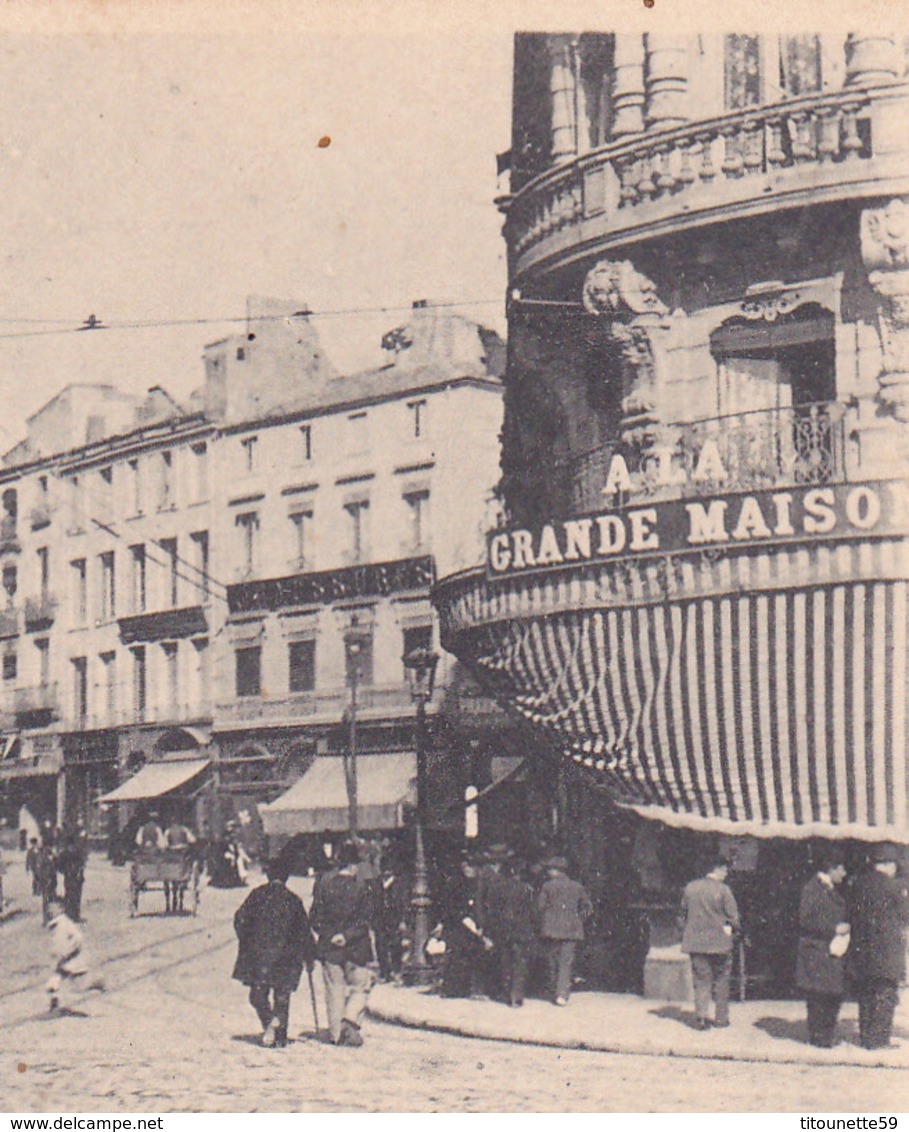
(357, 534)
(301, 661)
(356, 440)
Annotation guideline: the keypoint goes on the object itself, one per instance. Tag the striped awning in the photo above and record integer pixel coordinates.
(771, 712)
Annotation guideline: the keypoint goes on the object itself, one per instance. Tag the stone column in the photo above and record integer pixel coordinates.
(562, 93)
(872, 59)
(628, 92)
(885, 251)
(667, 81)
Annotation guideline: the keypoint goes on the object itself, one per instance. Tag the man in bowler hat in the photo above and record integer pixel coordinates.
(876, 959)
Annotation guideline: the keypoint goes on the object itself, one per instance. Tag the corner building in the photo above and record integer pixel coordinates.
(700, 591)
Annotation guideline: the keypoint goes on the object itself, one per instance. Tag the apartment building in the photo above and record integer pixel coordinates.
(192, 592)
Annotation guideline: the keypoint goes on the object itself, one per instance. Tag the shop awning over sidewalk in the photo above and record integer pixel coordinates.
(318, 801)
(156, 779)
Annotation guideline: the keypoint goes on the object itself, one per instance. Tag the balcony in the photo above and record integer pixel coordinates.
(794, 446)
(9, 623)
(163, 625)
(323, 707)
(38, 706)
(40, 516)
(829, 146)
(39, 612)
(167, 715)
(376, 579)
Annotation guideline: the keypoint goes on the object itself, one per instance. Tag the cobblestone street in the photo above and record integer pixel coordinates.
(175, 1033)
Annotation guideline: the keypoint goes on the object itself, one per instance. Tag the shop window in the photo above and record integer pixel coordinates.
(302, 666)
(248, 670)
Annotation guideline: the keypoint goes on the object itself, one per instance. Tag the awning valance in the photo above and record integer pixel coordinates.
(778, 708)
(318, 801)
(155, 780)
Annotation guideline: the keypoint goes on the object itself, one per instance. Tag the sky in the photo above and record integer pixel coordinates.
(160, 177)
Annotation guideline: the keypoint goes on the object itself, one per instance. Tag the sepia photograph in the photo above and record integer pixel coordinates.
(454, 543)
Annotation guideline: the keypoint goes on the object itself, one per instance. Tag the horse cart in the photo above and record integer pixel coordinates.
(175, 872)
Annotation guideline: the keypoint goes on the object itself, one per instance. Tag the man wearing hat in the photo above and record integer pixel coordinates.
(709, 917)
(562, 905)
(505, 906)
(275, 942)
(878, 917)
(823, 940)
(343, 914)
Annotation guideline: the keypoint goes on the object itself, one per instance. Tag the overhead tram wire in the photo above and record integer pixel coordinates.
(95, 325)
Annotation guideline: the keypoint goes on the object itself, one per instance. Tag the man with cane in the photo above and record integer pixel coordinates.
(275, 943)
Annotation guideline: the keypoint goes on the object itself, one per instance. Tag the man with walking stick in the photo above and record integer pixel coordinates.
(275, 943)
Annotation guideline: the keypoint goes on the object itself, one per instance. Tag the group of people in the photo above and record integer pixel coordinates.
(152, 838)
(277, 939)
(853, 940)
(58, 853)
(500, 916)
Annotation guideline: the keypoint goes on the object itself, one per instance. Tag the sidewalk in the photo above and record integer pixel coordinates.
(618, 1023)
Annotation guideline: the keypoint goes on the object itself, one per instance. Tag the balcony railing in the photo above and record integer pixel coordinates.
(800, 444)
(329, 706)
(819, 144)
(168, 715)
(40, 612)
(41, 701)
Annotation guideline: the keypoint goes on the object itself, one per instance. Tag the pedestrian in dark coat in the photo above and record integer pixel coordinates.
(343, 914)
(878, 917)
(275, 943)
(562, 907)
(710, 917)
(31, 864)
(392, 898)
(46, 876)
(517, 934)
(466, 947)
(819, 968)
(71, 863)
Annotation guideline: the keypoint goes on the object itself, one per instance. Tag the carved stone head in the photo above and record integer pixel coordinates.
(620, 291)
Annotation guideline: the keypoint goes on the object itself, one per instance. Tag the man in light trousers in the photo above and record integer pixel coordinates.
(342, 917)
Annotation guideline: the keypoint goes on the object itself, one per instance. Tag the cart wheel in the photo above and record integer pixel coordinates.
(195, 882)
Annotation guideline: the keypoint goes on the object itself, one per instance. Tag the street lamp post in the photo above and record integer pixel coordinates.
(420, 666)
(353, 647)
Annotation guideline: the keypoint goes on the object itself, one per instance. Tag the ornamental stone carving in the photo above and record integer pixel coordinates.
(639, 325)
(885, 250)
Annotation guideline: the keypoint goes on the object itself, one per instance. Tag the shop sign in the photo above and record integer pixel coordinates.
(798, 514)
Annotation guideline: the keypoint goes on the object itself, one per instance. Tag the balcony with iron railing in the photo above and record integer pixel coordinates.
(101, 718)
(36, 706)
(40, 612)
(765, 448)
(828, 146)
(323, 707)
